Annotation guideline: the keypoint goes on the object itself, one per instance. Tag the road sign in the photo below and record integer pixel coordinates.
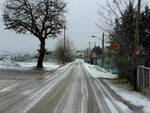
(137, 52)
(115, 46)
(93, 54)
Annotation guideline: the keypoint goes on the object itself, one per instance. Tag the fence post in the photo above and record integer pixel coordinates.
(138, 83)
(143, 81)
(149, 79)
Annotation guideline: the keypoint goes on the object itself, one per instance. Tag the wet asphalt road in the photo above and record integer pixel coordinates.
(68, 90)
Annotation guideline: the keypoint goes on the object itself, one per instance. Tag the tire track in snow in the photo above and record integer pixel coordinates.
(112, 104)
(17, 100)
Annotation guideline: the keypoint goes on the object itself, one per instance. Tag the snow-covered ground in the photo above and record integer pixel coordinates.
(6, 63)
(131, 96)
(47, 65)
(101, 73)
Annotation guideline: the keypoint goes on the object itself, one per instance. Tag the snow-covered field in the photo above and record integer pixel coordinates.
(7, 63)
(47, 65)
(101, 73)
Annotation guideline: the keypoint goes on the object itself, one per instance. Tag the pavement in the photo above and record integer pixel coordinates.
(70, 89)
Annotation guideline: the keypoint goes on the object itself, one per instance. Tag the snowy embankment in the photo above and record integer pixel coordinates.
(133, 97)
(5, 63)
(47, 65)
(101, 73)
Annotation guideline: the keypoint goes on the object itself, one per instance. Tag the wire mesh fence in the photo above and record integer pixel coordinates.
(143, 79)
(106, 66)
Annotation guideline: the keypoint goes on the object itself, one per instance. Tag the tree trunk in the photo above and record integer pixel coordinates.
(42, 52)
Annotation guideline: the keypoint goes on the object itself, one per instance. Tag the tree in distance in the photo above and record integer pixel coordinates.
(42, 18)
(64, 54)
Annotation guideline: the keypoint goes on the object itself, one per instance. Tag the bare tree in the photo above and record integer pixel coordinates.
(61, 52)
(42, 18)
(111, 10)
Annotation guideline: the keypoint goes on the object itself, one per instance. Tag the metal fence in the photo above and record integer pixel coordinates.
(106, 66)
(143, 79)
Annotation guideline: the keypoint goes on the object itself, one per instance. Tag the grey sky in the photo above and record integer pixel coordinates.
(81, 16)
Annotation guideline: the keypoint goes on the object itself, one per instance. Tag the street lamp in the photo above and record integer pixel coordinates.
(103, 48)
(64, 43)
(96, 37)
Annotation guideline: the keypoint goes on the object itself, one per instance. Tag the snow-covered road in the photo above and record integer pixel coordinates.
(70, 89)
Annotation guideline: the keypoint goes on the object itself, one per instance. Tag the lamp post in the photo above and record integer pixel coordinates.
(103, 47)
(64, 42)
(89, 49)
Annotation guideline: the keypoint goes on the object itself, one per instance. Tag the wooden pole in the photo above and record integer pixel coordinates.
(64, 42)
(103, 49)
(137, 31)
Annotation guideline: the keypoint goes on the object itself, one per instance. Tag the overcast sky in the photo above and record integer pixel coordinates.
(81, 16)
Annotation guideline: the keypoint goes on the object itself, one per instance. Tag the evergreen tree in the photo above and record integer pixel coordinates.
(145, 34)
(123, 34)
(145, 27)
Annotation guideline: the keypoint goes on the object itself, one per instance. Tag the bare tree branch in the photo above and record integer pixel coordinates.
(42, 18)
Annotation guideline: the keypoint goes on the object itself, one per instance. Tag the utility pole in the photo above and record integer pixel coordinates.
(103, 49)
(89, 48)
(137, 40)
(68, 44)
(95, 44)
(137, 31)
(64, 41)
(89, 45)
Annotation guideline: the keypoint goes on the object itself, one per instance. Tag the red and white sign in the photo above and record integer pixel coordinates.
(115, 46)
(93, 54)
(137, 52)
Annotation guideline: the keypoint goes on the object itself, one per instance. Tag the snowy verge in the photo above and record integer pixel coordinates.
(101, 73)
(133, 97)
(6, 63)
(47, 65)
